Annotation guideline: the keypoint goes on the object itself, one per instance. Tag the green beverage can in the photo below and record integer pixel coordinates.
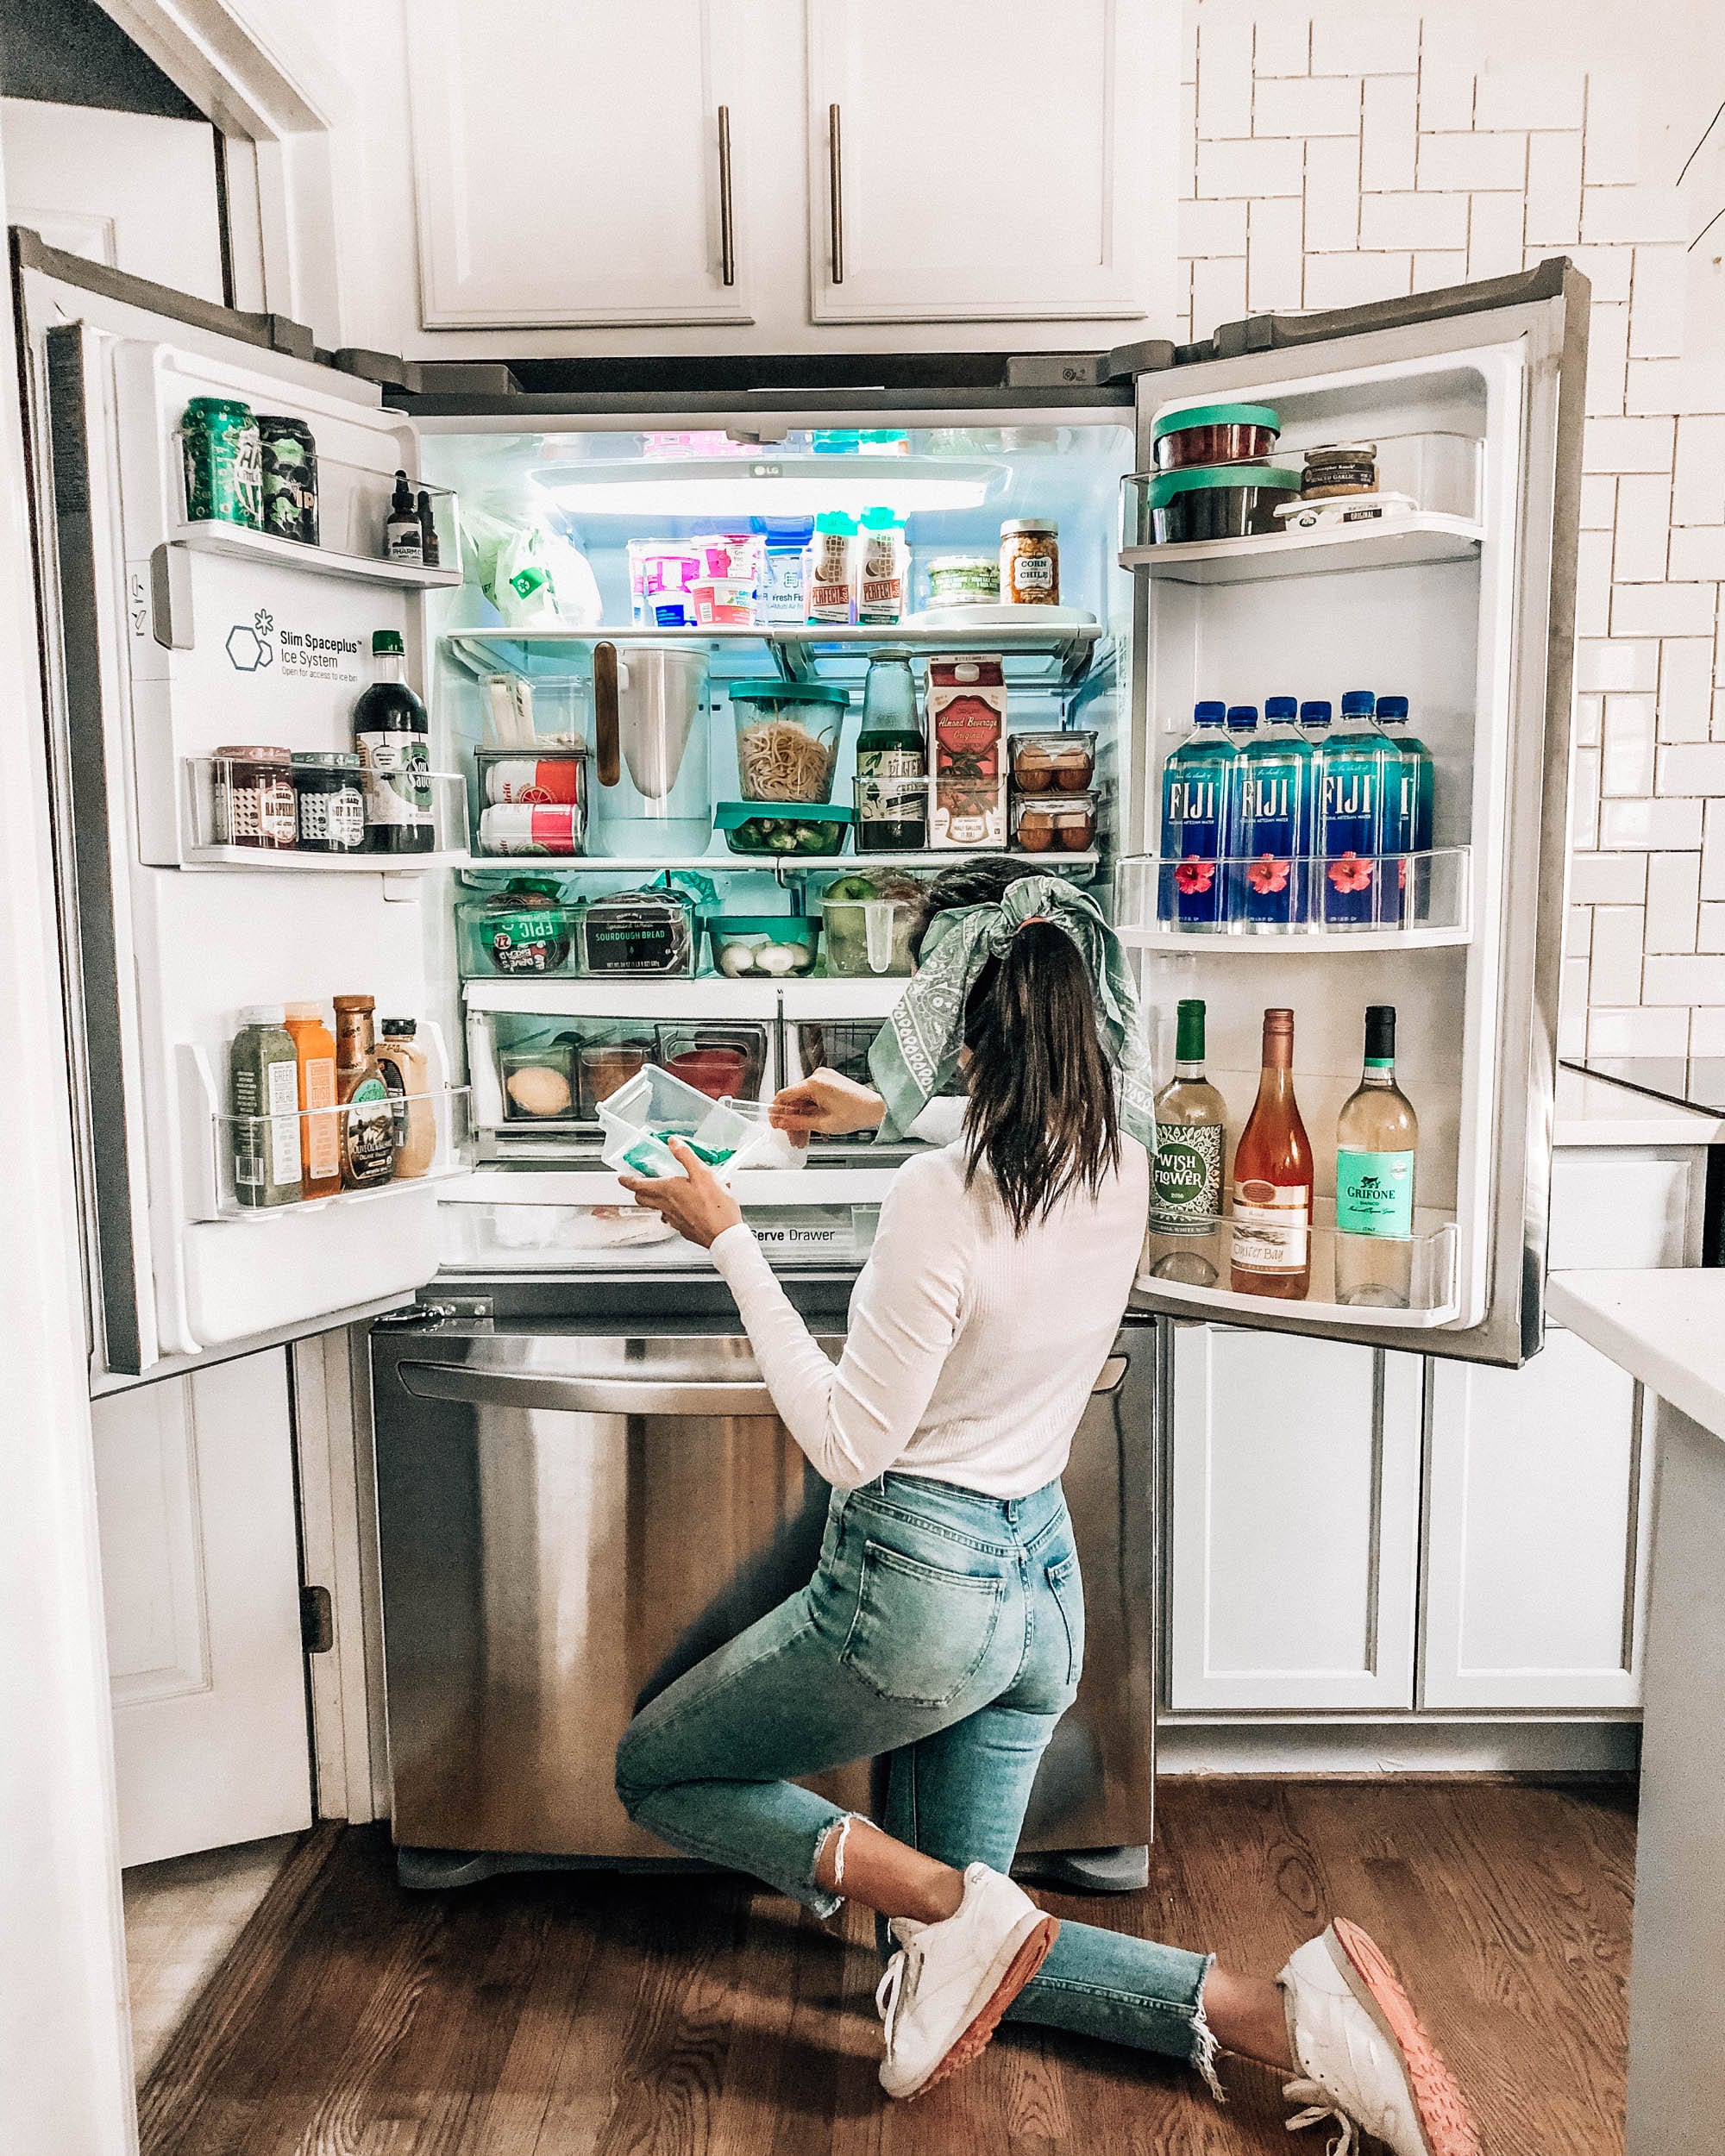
(290, 478)
(224, 469)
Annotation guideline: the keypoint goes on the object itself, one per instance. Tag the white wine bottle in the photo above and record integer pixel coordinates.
(1378, 1137)
(1186, 1200)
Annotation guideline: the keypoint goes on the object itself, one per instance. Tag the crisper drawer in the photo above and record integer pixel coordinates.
(490, 1233)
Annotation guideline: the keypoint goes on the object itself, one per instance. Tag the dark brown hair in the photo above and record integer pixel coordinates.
(1041, 1111)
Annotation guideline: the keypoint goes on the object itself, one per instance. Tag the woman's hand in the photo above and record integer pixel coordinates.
(697, 1205)
(826, 1103)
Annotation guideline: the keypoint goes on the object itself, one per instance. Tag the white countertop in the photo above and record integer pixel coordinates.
(1595, 1111)
(1665, 1328)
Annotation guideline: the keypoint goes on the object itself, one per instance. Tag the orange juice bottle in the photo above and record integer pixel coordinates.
(320, 1127)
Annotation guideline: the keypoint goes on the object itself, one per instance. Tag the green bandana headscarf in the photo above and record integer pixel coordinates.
(916, 1054)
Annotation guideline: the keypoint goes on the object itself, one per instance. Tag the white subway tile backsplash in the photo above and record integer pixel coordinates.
(1621, 663)
(1643, 527)
(1258, 167)
(1553, 189)
(1389, 135)
(1685, 688)
(1188, 133)
(1224, 79)
(1653, 386)
(1614, 131)
(1281, 43)
(1698, 551)
(1656, 302)
(1364, 43)
(1598, 501)
(1545, 94)
(1682, 980)
(1275, 259)
(1691, 767)
(1627, 445)
(1583, 800)
(1608, 347)
(1617, 215)
(1218, 292)
(1210, 228)
(1461, 161)
(1626, 765)
(1304, 104)
(1495, 244)
(1349, 280)
(1673, 888)
(1648, 826)
(1614, 964)
(1607, 269)
(1572, 1008)
(1441, 267)
(1588, 721)
(1710, 936)
(1608, 879)
(1577, 932)
(1447, 61)
(1332, 197)
(1413, 220)
(1707, 1031)
(1593, 584)
(1663, 609)
(1638, 1032)
(1713, 853)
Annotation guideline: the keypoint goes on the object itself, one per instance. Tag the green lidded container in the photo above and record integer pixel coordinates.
(1214, 433)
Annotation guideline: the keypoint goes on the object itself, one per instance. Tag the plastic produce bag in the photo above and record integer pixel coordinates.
(532, 574)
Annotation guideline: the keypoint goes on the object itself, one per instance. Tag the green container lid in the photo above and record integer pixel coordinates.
(789, 928)
(1215, 416)
(731, 816)
(780, 692)
(1198, 478)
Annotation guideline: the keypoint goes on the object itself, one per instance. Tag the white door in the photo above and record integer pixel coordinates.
(1535, 1575)
(545, 195)
(128, 188)
(1295, 1521)
(1013, 162)
(200, 1575)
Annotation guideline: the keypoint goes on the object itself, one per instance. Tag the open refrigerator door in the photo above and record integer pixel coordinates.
(1353, 538)
(198, 599)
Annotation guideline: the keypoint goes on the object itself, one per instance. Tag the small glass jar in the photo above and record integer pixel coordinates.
(252, 798)
(330, 806)
(1060, 822)
(963, 579)
(1030, 562)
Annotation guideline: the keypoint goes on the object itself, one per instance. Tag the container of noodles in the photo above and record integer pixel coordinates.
(787, 738)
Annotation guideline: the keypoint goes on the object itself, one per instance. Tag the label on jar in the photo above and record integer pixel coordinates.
(1032, 573)
(1186, 1173)
(1374, 1192)
(1271, 1223)
(882, 795)
(394, 769)
(370, 1144)
(281, 1099)
(335, 819)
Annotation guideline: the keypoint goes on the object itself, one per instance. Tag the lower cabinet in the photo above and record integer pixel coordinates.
(1299, 1576)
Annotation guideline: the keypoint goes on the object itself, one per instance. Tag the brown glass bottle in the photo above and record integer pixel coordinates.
(362, 1099)
(1272, 1181)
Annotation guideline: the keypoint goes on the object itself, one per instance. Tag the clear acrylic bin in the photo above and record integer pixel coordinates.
(1416, 897)
(231, 820)
(432, 1126)
(639, 1118)
(1365, 1279)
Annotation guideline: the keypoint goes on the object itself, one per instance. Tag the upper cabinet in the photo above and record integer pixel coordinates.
(991, 164)
(574, 164)
(766, 177)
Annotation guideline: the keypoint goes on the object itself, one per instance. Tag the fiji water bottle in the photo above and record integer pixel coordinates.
(1357, 763)
(1411, 808)
(1273, 826)
(1197, 797)
(1242, 728)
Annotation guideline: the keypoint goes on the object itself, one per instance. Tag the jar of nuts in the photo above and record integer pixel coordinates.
(1030, 562)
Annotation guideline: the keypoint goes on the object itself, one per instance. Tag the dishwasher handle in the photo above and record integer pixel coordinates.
(585, 1395)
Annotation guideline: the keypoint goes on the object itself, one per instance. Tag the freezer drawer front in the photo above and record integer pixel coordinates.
(567, 1525)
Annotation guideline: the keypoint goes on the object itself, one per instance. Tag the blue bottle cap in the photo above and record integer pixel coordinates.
(1392, 707)
(1317, 714)
(1279, 707)
(1357, 704)
(1242, 716)
(1208, 714)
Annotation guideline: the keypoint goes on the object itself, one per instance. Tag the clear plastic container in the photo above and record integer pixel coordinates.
(538, 1083)
(763, 946)
(868, 937)
(639, 935)
(808, 828)
(1053, 763)
(639, 1118)
(526, 932)
(787, 736)
(1053, 823)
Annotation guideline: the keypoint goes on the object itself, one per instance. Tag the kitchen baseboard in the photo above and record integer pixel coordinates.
(1382, 1750)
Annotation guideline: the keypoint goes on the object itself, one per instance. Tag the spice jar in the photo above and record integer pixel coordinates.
(1030, 562)
(1343, 468)
(330, 806)
(252, 798)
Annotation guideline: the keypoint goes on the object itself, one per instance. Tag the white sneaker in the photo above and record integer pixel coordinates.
(945, 1989)
(1364, 2059)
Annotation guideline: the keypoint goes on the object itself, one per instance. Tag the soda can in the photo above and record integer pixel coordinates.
(290, 478)
(223, 463)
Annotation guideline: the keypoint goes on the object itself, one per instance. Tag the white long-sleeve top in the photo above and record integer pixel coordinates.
(971, 1352)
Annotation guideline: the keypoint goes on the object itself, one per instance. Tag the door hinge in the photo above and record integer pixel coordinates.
(316, 1620)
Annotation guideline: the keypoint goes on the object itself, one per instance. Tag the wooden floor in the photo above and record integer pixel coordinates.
(589, 2015)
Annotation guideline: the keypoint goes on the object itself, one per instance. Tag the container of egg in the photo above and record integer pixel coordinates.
(771, 946)
(538, 1083)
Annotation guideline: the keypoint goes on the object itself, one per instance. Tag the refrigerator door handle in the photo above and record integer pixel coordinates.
(584, 1395)
(170, 619)
(1114, 1375)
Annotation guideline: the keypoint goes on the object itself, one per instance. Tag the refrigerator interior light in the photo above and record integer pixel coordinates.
(784, 486)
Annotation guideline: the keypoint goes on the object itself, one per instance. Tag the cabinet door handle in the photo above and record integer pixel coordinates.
(835, 191)
(727, 234)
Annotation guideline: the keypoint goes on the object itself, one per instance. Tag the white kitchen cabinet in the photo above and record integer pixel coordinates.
(581, 164)
(1540, 1481)
(1004, 163)
(1295, 1522)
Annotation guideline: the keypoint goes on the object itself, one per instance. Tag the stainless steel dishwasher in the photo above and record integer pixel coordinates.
(571, 1514)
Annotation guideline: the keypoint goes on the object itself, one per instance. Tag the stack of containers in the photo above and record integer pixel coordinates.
(1213, 479)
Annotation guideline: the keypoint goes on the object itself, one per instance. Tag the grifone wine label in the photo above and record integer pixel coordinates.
(1271, 1226)
(1374, 1192)
(1187, 1177)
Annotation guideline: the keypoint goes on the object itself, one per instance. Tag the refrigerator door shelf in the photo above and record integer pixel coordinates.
(1173, 1266)
(206, 849)
(318, 1262)
(1422, 901)
(1385, 542)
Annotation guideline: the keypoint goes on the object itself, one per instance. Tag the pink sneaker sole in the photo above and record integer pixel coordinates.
(1445, 2118)
(976, 2039)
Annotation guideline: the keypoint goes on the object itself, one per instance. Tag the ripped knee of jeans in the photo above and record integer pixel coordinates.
(835, 1836)
(1204, 2044)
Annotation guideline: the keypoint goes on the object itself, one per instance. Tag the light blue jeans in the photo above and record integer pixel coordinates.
(944, 1631)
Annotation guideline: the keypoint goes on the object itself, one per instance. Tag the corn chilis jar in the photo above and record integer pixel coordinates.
(1030, 562)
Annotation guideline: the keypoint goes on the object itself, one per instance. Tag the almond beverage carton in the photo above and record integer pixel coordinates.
(967, 733)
